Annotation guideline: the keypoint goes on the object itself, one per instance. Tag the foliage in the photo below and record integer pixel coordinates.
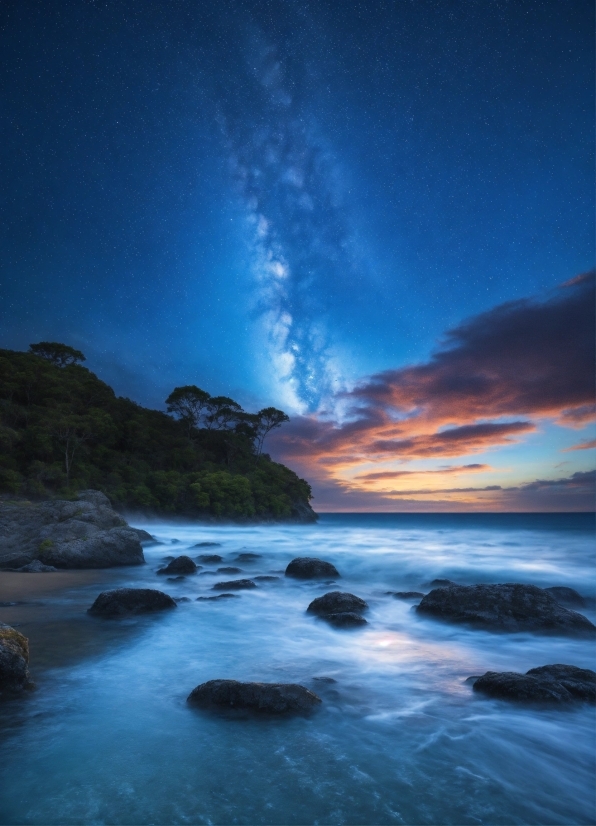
(58, 354)
(62, 430)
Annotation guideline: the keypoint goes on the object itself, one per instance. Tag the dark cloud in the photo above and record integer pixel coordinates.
(398, 474)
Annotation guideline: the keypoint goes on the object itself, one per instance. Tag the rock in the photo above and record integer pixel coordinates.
(566, 596)
(14, 661)
(248, 557)
(182, 599)
(36, 567)
(508, 607)
(86, 533)
(179, 565)
(325, 680)
(345, 619)
(207, 545)
(219, 596)
(336, 602)
(406, 594)
(209, 558)
(125, 601)
(442, 583)
(234, 585)
(144, 536)
(266, 578)
(547, 684)
(229, 569)
(175, 578)
(307, 567)
(269, 698)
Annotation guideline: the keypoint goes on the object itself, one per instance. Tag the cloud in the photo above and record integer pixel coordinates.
(398, 474)
(585, 445)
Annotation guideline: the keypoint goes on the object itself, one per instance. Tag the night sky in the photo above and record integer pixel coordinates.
(377, 216)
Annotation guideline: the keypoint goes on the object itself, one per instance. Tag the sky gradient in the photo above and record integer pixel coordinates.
(376, 216)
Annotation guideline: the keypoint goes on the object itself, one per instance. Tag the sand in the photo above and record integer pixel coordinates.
(21, 587)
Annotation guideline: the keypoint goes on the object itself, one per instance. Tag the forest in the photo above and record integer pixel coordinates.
(62, 430)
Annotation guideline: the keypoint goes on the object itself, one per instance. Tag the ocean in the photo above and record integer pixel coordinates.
(400, 738)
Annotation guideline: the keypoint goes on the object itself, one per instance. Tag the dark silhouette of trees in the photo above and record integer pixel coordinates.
(59, 354)
(188, 403)
(267, 419)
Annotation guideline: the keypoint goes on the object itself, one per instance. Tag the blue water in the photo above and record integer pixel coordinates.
(400, 737)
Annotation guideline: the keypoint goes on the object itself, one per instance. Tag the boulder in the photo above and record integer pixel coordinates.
(144, 536)
(179, 565)
(248, 557)
(336, 602)
(566, 596)
(36, 567)
(207, 545)
(509, 607)
(345, 619)
(266, 578)
(234, 585)
(219, 596)
(307, 567)
(406, 594)
(86, 533)
(209, 559)
(547, 684)
(442, 583)
(14, 661)
(269, 698)
(229, 569)
(126, 601)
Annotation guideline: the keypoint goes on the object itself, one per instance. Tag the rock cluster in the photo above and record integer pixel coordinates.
(508, 607)
(123, 602)
(307, 567)
(86, 533)
(14, 661)
(270, 698)
(548, 684)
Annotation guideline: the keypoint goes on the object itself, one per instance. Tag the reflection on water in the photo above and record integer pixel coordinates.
(401, 738)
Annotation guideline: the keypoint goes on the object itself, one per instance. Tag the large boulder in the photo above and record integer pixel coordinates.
(86, 533)
(308, 567)
(345, 619)
(271, 698)
(508, 607)
(336, 602)
(547, 684)
(123, 602)
(14, 661)
(179, 565)
(566, 596)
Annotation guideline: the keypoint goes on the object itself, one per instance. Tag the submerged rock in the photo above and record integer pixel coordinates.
(207, 545)
(269, 698)
(266, 578)
(180, 565)
(548, 684)
(509, 607)
(566, 596)
(442, 583)
(406, 594)
(307, 567)
(345, 619)
(234, 585)
(229, 569)
(219, 596)
(125, 601)
(14, 661)
(144, 536)
(248, 557)
(36, 567)
(86, 533)
(336, 602)
(209, 559)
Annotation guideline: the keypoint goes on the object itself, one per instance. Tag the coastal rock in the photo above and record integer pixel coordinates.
(442, 583)
(509, 607)
(248, 557)
(207, 545)
(306, 567)
(86, 533)
(229, 569)
(219, 596)
(125, 601)
(179, 565)
(345, 619)
(234, 585)
(14, 661)
(269, 698)
(144, 536)
(266, 578)
(406, 594)
(566, 596)
(36, 567)
(209, 559)
(336, 602)
(547, 684)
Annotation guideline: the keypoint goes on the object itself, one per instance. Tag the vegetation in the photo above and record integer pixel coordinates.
(62, 429)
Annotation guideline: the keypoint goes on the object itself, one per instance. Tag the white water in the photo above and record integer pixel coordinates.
(400, 738)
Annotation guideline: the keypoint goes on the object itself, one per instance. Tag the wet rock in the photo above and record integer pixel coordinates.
(234, 585)
(336, 602)
(219, 596)
(144, 537)
(509, 607)
(248, 557)
(548, 684)
(179, 565)
(14, 661)
(442, 583)
(86, 533)
(269, 698)
(566, 596)
(266, 578)
(125, 601)
(36, 567)
(229, 569)
(182, 599)
(345, 619)
(406, 594)
(207, 545)
(175, 578)
(307, 567)
(325, 680)
(209, 559)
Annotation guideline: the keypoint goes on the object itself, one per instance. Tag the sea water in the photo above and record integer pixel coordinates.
(400, 737)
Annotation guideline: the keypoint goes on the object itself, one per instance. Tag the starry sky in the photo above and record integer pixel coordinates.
(377, 216)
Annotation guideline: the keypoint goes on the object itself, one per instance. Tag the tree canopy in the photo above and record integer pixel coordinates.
(59, 354)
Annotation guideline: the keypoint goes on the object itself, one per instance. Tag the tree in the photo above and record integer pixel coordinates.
(188, 403)
(267, 419)
(223, 412)
(71, 431)
(59, 354)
